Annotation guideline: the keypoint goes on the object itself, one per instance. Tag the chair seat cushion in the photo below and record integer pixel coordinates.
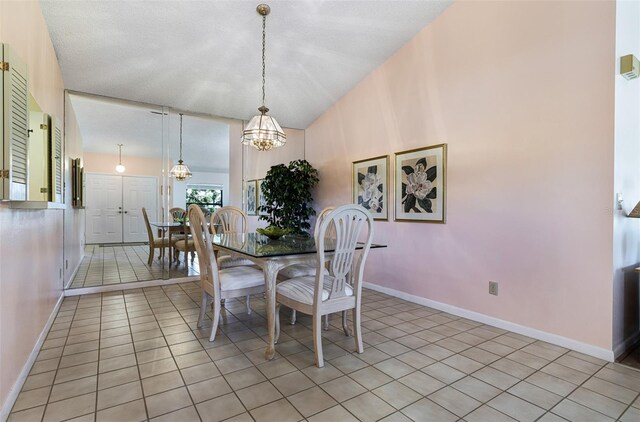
(184, 244)
(228, 261)
(301, 289)
(297, 270)
(240, 278)
(161, 241)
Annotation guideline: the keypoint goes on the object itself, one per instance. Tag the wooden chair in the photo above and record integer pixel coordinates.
(179, 215)
(336, 287)
(299, 270)
(154, 242)
(219, 284)
(228, 220)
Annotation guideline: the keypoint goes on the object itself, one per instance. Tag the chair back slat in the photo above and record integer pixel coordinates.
(204, 249)
(231, 220)
(348, 221)
(178, 214)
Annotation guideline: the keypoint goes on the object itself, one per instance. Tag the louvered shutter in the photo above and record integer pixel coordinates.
(56, 162)
(16, 125)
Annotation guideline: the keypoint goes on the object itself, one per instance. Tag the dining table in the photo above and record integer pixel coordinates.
(272, 256)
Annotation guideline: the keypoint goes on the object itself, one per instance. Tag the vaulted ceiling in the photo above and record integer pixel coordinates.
(205, 56)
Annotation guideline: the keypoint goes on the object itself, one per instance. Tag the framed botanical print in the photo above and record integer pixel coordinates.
(370, 185)
(250, 197)
(420, 184)
(261, 200)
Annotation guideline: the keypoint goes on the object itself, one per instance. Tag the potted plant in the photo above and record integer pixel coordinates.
(287, 196)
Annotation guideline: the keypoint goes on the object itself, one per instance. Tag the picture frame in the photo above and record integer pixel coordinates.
(261, 201)
(370, 185)
(420, 184)
(250, 197)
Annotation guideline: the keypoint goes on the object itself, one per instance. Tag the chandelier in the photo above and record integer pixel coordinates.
(120, 168)
(180, 171)
(263, 131)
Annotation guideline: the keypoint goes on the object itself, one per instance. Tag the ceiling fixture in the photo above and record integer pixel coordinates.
(263, 131)
(120, 168)
(180, 171)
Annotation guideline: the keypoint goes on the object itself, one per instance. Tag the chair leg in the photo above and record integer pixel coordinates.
(151, 254)
(203, 309)
(345, 324)
(248, 305)
(326, 322)
(317, 339)
(357, 330)
(293, 317)
(277, 316)
(216, 320)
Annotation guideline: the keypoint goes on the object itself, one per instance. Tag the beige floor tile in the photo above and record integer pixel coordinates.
(610, 390)
(153, 355)
(131, 412)
(397, 395)
(485, 414)
(496, 378)
(565, 373)
(477, 389)
(244, 378)
(513, 368)
(117, 377)
(516, 407)
(551, 383)
(368, 407)
(220, 408)
(334, 414)
(209, 389)
(579, 364)
(631, 415)
(120, 394)
(426, 410)
(76, 372)
(157, 367)
(312, 401)
(31, 398)
(168, 401)
(280, 410)
(576, 412)
(454, 401)
(394, 368)
(232, 364)
(187, 414)
(276, 368)
(415, 359)
(78, 359)
(70, 408)
(342, 388)
(119, 362)
(199, 373)
(74, 388)
(164, 382)
(115, 351)
(39, 380)
(480, 355)
(536, 395)
(258, 395)
(422, 383)
(192, 359)
(598, 402)
(44, 366)
(348, 363)
(29, 415)
(185, 348)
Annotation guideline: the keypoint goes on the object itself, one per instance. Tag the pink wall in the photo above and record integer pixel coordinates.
(523, 94)
(30, 241)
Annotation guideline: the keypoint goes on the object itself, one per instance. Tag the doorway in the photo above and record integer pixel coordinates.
(114, 207)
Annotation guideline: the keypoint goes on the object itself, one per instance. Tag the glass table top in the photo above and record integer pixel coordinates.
(260, 246)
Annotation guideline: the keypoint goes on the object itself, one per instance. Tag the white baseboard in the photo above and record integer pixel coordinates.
(568, 343)
(74, 272)
(26, 368)
(127, 286)
(625, 345)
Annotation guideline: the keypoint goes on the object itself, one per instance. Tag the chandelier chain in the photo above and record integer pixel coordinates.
(264, 26)
(180, 137)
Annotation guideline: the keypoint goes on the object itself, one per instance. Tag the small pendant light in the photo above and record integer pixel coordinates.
(180, 171)
(120, 168)
(263, 131)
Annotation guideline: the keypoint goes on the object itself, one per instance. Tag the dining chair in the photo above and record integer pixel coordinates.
(154, 242)
(299, 270)
(228, 220)
(217, 283)
(334, 287)
(179, 215)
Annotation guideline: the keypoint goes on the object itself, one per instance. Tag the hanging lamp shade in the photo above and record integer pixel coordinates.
(120, 168)
(263, 131)
(180, 171)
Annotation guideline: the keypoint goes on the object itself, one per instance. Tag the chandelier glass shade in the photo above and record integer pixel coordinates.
(120, 168)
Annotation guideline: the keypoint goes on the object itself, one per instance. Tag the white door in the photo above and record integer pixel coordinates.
(103, 209)
(138, 192)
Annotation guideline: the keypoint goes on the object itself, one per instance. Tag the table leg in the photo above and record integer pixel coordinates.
(270, 270)
(170, 248)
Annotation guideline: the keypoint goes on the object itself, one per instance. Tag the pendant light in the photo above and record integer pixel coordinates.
(180, 171)
(120, 168)
(263, 131)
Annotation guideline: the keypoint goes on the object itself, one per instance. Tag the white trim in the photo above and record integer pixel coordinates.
(22, 377)
(578, 346)
(127, 286)
(75, 271)
(626, 344)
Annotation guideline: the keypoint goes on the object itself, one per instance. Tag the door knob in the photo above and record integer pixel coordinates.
(126, 212)
(119, 212)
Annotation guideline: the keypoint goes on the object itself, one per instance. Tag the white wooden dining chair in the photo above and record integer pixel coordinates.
(154, 242)
(299, 270)
(338, 286)
(219, 284)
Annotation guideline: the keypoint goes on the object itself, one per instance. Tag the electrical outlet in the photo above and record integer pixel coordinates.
(493, 288)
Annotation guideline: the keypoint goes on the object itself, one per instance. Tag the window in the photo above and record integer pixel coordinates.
(208, 197)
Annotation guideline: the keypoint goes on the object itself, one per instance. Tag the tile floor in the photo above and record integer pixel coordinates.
(114, 264)
(633, 358)
(137, 355)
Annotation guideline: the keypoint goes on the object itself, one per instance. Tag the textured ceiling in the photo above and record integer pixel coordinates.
(104, 124)
(204, 56)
